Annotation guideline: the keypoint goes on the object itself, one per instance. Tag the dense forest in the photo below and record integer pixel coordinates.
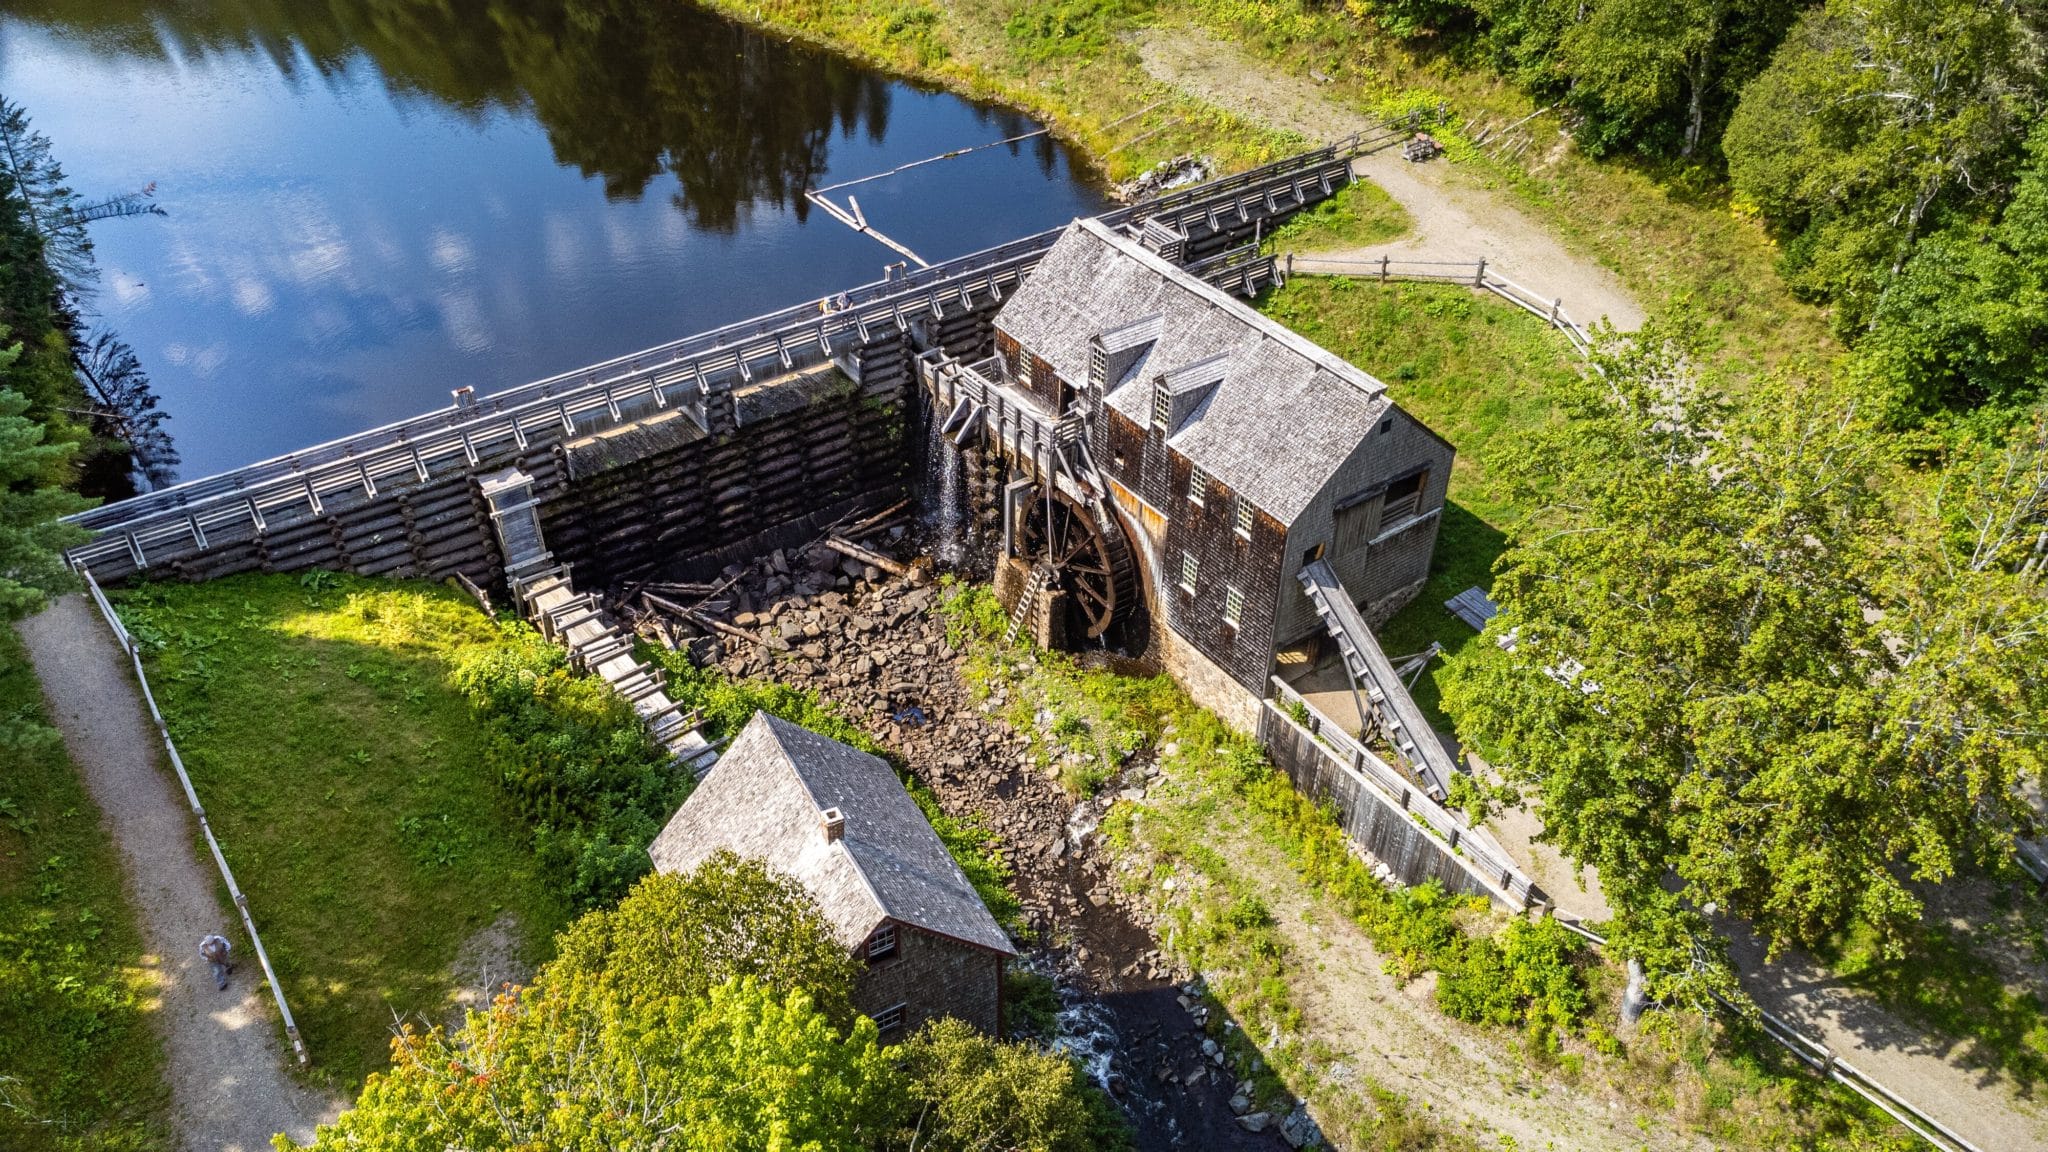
(1891, 148)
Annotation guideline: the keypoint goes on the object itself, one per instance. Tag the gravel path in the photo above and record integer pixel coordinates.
(226, 1054)
(1455, 220)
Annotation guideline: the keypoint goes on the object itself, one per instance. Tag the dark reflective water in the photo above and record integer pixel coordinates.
(374, 202)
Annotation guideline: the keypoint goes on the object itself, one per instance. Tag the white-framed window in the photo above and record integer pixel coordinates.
(1198, 484)
(1162, 405)
(882, 944)
(1190, 571)
(890, 1019)
(1244, 517)
(1233, 606)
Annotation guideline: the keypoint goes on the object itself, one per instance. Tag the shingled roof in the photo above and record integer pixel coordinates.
(767, 799)
(1284, 414)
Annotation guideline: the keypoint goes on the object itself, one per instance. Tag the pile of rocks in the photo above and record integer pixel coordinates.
(871, 643)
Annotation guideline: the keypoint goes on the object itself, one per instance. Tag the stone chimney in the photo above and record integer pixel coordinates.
(833, 821)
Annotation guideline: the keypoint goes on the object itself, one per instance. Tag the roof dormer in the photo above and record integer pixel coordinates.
(1178, 396)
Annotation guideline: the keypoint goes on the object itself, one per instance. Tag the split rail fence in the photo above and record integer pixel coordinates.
(1474, 273)
(227, 875)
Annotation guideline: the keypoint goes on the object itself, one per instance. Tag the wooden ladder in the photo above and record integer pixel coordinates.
(1041, 576)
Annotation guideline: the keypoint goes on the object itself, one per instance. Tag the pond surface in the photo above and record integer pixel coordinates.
(373, 203)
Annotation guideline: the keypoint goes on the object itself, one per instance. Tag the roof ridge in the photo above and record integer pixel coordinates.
(1307, 349)
(789, 764)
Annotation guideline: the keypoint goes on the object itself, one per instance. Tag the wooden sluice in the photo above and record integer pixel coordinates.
(675, 451)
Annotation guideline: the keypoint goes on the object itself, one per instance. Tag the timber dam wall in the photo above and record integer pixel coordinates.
(710, 444)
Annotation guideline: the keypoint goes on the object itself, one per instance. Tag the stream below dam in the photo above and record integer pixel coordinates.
(369, 205)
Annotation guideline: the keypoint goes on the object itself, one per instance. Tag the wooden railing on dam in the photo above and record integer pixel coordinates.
(694, 376)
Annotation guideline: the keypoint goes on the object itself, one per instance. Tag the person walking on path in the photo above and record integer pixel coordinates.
(216, 951)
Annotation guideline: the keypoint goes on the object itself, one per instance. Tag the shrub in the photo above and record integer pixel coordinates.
(575, 761)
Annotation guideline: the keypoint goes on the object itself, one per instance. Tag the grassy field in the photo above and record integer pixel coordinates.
(1360, 214)
(80, 1064)
(349, 786)
(1472, 367)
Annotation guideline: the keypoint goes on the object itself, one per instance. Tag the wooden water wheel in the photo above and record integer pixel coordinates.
(1088, 561)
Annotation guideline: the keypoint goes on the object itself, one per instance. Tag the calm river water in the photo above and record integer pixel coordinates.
(373, 203)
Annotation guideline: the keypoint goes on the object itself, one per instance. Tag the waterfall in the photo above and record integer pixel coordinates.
(949, 518)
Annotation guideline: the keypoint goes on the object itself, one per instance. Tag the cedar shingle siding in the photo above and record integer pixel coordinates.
(1272, 419)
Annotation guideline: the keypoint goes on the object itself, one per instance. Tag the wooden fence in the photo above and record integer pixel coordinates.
(1383, 813)
(284, 1011)
(1474, 273)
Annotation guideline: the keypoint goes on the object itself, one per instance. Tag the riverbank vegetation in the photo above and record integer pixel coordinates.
(1253, 881)
(80, 1064)
(736, 1034)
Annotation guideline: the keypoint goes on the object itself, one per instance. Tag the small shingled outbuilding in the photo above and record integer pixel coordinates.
(839, 822)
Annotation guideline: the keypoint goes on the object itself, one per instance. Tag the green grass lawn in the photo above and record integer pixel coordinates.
(1360, 214)
(80, 1064)
(1473, 368)
(350, 787)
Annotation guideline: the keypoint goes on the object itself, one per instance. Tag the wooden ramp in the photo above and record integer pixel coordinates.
(596, 642)
(1383, 699)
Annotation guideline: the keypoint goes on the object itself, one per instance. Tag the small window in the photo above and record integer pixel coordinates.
(1386, 425)
(1314, 553)
(1162, 405)
(1403, 500)
(890, 1019)
(1190, 570)
(1244, 517)
(1233, 606)
(1198, 485)
(882, 944)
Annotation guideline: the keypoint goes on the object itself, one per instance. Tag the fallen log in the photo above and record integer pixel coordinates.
(716, 625)
(862, 527)
(848, 548)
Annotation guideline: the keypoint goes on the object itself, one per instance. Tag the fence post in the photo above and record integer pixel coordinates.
(1383, 268)
(1479, 277)
(1290, 264)
(1555, 306)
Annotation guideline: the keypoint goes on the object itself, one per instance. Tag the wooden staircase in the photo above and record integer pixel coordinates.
(1027, 601)
(597, 644)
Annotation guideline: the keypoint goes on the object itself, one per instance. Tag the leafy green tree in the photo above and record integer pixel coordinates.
(1659, 76)
(1741, 672)
(566, 1065)
(1961, 325)
(1873, 118)
(712, 1011)
(973, 1094)
(729, 917)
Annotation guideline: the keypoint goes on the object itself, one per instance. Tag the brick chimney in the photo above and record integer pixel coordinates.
(833, 821)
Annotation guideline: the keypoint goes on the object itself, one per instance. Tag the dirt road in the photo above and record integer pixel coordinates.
(226, 1056)
(1455, 220)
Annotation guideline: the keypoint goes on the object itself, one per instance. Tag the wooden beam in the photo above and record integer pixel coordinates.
(847, 547)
